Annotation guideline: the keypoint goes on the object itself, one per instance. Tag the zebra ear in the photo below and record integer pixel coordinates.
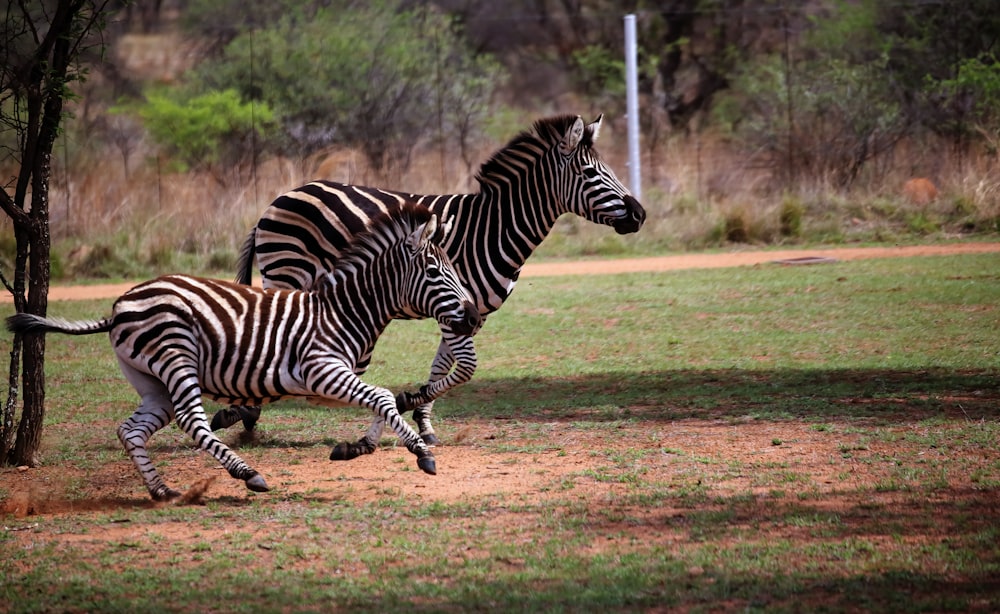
(425, 232)
(444, 229)
(572, 137)
(594, 128)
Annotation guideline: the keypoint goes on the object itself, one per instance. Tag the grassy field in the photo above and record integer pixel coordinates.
(762, 438)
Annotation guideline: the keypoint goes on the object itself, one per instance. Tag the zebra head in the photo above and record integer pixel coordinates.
(432, 286)
(584, 184)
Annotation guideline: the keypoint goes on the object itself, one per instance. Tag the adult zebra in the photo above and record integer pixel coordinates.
(178, 337)
(524, 187)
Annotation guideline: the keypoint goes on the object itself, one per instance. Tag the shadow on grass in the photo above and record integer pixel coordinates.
(888, 396)
(871, 397)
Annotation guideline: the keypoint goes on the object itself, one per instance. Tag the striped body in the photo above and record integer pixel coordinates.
(180, 337)
(488, 235)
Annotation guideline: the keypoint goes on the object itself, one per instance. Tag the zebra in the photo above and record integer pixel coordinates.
(523, 188)
(178, 337)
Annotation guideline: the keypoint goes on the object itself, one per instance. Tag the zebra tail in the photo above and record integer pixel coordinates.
(31, 323)
(244, 266)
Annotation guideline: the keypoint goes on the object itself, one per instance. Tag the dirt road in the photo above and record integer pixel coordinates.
(634, 265)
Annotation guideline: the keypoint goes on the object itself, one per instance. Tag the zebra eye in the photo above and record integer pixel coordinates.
(433, 272)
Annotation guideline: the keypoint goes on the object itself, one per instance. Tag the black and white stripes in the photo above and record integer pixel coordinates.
(524, 188)
(179, 337)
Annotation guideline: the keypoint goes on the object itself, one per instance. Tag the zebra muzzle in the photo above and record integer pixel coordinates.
(633, 219)
(469, 322)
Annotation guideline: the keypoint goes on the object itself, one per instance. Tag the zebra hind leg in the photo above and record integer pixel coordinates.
(153, 414)
(191, 419)
(158, 407)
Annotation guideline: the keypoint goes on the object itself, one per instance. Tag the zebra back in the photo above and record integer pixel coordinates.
(524, 188)
(249, 341)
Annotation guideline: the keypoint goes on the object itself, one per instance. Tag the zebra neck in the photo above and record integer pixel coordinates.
(362, 301)
(500, 216)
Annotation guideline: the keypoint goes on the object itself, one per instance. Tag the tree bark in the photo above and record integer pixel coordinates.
(40, 84)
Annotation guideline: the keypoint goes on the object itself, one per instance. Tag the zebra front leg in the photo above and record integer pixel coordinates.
(368, 443)
(347, 450)
(454, 351)
(342, 385)
(413, 442)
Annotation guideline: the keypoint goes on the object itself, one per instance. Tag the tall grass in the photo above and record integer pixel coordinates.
(119, 211)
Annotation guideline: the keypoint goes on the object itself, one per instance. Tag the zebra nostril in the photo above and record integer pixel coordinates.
(469, 321)
(635, 218)
(637, 210)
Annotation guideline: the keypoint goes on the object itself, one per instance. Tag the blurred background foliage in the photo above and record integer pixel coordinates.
(768, 121)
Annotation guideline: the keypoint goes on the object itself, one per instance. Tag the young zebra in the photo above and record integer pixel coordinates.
(524, 188)
(179, 337)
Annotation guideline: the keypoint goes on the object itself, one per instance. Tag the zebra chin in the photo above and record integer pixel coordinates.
(467, 322)
(632, 220)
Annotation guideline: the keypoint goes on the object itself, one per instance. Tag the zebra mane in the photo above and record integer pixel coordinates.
(383, 232)
(545, 134)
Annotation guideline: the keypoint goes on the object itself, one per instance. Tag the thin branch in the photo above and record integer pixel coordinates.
(6, 284)
(15, 213)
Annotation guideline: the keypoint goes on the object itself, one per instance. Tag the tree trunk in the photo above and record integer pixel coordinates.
(29, 429)
(39, 83)
(7, 421)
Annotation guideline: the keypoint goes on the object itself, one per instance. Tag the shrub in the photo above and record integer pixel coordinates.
(204, 130)
(366, 75)
(600, 74)
(790, 216)
(839, 117)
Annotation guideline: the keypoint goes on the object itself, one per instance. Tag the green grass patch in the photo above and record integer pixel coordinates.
(892, 365)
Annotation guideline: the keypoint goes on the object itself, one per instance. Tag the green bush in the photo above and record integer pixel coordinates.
(790, 216)
(203, 130)
(600, 73)
(922, 223)
(367, 75)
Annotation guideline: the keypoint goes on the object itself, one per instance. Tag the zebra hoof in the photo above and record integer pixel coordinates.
(167, 494)
(427, 465)
(225, 418)
(344, 451)
(257, 484)
(348, 451)
(430, 439)
(249, 414)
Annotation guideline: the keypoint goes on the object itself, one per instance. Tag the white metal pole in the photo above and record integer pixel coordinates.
(632, 108)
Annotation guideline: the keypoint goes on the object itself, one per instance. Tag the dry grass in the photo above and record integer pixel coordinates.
(116, 215)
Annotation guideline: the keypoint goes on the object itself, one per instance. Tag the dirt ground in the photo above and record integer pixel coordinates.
(470, 470)
(471, 466)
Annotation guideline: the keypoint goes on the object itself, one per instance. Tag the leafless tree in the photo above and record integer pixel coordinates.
(42, 43)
